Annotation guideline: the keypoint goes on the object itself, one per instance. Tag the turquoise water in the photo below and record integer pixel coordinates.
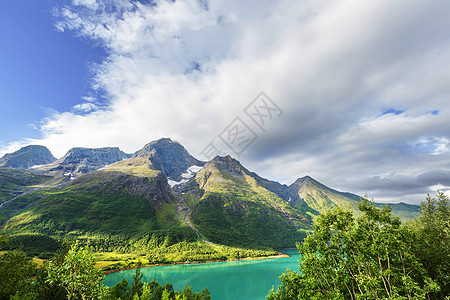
(244, 279)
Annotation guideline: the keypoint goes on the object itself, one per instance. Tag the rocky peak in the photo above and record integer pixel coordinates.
(229, 164)
(27, 157)
(106, 155)
(169, 156)
(78, 161)
(307, 180)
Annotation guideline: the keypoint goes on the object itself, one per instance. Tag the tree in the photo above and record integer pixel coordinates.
(16, 271)
(431, 236)
(77, 274)
(137, 285)
(348, 257)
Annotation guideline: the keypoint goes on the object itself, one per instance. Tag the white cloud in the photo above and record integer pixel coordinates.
(85, 107)
(332, 67)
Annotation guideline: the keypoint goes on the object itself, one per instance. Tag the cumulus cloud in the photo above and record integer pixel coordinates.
(85, 107)
(363, 87)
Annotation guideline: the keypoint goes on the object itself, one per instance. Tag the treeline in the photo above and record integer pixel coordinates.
(373, 256)
(149, 249)
(71, 274)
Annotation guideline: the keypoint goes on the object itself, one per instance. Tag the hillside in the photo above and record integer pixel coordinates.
(127, 198)
(230, 206)
(317, 196)
(27, 157)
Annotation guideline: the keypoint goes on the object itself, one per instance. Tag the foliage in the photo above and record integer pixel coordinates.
(153, 291)
(348, 257)
(123, 291)
(431, 236)
(71, 275)
(77, 274)
(32, 244)
(16, 271)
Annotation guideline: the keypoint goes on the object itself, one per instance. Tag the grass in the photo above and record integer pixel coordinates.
(136, 166)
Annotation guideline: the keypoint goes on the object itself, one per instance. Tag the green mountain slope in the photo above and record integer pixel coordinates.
(15, 181)
(317, 196)
(128, 198)
(229, 206)
(307, 191)
(15, 185)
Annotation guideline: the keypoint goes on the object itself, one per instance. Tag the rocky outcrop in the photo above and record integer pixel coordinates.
(27, 157)
(169, 156)
(79, 161)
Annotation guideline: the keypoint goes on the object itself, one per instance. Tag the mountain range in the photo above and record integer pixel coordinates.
(160, 191)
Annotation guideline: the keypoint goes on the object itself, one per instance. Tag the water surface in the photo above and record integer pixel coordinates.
(230, 280)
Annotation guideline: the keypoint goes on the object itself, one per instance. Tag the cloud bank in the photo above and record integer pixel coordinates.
(364, 87)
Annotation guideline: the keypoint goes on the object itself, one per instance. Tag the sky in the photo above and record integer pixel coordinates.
(355, 94)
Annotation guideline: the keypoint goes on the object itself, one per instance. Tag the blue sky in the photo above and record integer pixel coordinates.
(363, 87)
(41, 69)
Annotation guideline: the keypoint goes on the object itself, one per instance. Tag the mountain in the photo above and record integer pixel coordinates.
(79, 161)
(170, 157)
(161, 196)
(129, 198)
(233, 206)
(308, 192)
(27, 157)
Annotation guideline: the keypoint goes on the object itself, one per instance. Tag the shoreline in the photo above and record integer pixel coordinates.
(280, 255)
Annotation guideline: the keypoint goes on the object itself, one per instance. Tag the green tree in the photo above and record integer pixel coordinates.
(16, 271)
(77, 274)
(120, 291)
(137, 285)
(431, 240)
(348, 257)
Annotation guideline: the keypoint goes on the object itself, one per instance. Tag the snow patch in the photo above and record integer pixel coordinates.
(35, 167)
(173, 183)
(190, 172)
(69, 174)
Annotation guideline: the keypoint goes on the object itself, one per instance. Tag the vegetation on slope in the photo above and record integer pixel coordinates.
(13, 182)
(230, 207)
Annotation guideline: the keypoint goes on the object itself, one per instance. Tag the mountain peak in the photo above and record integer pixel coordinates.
(78, 160)
(306, 179)
(168, 156)
(27, 157)
(229, 164)
(157, 145)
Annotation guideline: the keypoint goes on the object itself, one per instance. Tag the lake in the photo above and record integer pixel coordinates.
(243, 279)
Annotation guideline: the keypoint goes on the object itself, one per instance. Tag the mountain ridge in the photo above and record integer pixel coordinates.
(218, 201)
(79, 160)
(27, 157)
